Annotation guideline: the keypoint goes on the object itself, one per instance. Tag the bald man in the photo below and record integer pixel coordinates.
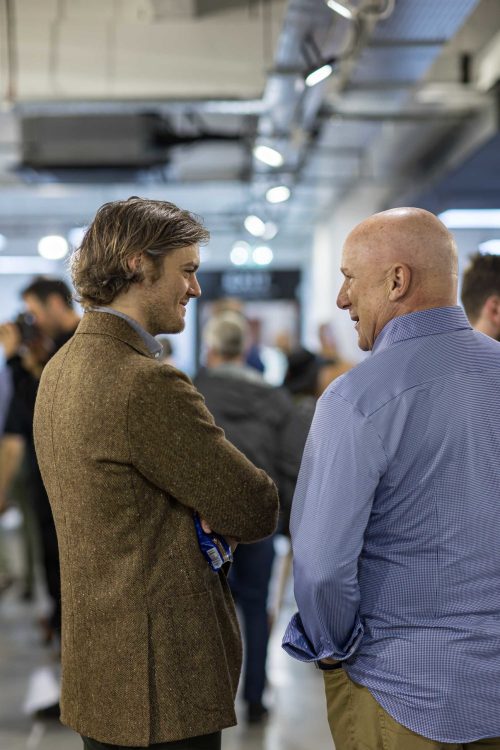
(395, 521)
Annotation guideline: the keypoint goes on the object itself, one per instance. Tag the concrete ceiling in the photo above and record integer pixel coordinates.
(218, 77)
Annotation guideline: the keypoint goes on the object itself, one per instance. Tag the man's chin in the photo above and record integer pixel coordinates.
(176, 327)
(169, 328)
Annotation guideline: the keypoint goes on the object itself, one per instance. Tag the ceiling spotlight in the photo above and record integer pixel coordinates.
(341, 9)
(254, 225)
(278, 194)
(471, 218)
(270, 230)
(3, 242)
(268, 155)
(242, 244)
(76, 235)
(262, 255)
(490, 247)
(240, 253)
(53, 247)
(25, 264)
(319, 74)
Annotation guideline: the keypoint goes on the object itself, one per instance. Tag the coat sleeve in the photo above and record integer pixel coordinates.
(175, 444)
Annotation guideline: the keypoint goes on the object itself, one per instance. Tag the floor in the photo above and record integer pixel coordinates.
(28, 678)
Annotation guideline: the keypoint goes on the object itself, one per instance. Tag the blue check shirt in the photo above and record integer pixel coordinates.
(396, 527)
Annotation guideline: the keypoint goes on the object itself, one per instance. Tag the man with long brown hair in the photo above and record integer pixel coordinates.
(151, 651)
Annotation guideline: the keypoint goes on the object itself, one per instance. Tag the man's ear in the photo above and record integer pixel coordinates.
(134, 263)
(398, 280)
(491, 309)
(54, 301)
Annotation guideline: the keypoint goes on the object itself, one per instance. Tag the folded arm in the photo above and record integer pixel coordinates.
(186, 455)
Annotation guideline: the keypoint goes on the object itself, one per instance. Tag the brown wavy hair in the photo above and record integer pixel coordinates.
(99, 267)
(481, 280)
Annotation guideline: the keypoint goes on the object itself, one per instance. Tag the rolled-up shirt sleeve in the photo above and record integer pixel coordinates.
(342, 465)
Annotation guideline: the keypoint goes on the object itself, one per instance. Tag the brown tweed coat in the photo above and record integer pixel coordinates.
(151, 649)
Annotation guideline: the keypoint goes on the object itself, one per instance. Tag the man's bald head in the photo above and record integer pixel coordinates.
(396, 262)
(412, 236)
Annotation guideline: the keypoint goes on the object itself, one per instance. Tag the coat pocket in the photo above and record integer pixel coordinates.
(201, 655)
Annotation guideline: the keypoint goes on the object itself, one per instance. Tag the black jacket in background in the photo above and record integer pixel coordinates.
(260, 420)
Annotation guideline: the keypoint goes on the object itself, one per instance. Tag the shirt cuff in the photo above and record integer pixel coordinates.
(297, 644)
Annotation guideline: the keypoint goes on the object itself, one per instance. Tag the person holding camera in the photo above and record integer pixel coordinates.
(49, 320)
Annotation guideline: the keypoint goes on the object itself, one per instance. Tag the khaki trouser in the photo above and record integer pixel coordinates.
(358, 722)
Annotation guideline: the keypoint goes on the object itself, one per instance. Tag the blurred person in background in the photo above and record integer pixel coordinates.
(167, 352)
(48, 322)
(481, 294)
(130, 457)
(5, 395)
(308, 374)
(262, 422)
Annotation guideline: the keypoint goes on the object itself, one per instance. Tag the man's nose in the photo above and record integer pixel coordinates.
(342, 298)
(194, 288)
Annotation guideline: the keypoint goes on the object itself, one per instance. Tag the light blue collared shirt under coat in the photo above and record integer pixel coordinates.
(396, 527)
(154, 346)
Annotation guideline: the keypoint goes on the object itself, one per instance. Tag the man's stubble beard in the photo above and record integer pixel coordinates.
(159, 323)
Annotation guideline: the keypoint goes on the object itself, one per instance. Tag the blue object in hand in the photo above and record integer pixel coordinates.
(213, 546)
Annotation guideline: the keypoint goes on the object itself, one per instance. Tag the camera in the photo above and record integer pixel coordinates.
(27, 328)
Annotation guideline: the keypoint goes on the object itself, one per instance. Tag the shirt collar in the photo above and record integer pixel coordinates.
(422, 323)
(154, 347)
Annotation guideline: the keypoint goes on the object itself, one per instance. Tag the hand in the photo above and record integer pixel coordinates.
(233, 543)
(10, 339)
(329, 661)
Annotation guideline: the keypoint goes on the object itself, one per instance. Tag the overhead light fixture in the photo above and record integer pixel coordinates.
(76, 235)
(270, 156)
(53, 247)
(490, 247)
(278, 194)
(471, 218)
(319, 74)
(270, 230)
(25, 264)
(240, 253)
(254, 225)
(341, 9)
(262, 255)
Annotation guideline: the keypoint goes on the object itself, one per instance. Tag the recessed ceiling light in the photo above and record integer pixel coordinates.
(76, 235)
(270, 156)
(25, 264)
(53, 247)
(319, 74)
(254, 225)
(278, 194)
(262, 255)
(240, 253)
(471, 218)
(490, 247)
(340, 8)
(270, 230)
